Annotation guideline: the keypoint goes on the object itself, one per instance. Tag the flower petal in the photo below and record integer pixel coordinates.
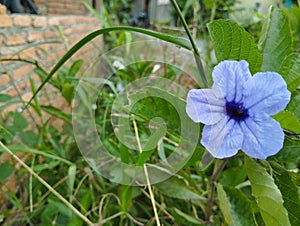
(223, 139)
(229, 77)
(265, 92)
(203, 106)
(262, 137)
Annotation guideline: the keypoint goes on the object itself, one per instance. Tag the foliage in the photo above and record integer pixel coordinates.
(294, 20)
(204, 191)
(206, 10)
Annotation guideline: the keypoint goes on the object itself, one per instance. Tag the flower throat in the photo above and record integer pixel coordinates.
(236, 111)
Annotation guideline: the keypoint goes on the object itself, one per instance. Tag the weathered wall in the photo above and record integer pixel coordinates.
(62, 7)
(44, 39)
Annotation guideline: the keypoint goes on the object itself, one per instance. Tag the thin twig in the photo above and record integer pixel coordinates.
(195, 48)
(59, 196)
(30, 187)
(117, 215)
(161, 207)
(213, 188)
(146, 174)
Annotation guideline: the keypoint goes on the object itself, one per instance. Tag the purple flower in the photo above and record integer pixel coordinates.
(236, 111)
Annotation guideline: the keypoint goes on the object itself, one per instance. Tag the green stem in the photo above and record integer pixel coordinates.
(195, 48)
(214, 179)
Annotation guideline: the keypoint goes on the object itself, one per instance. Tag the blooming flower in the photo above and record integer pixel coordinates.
(236, 111)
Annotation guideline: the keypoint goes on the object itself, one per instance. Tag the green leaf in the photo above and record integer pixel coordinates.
(46, 166)
(187, 6)
(158, 104)
(18, 148)
(6, 170)
(232, 42)
(86, 200)
(75, 68)
(291, 197)
(294, 106)
(276, 40)
(288, 121)
(126, 194)
(36, 105)
(68, 92)
(61, 207)
(43, 76)
(235, 206)
(267, 195)
(4, 97)
(289, 155)
(29, 138)
(57, 113)
(144, 156)
(5, 134)
(62, 74)
(20, 123)
(184, 218)
(159, 110)
(233, 176)
(177, 188)
(48, 215)
(165, 37)
(76, 221)
(290, 69)
(71, 180)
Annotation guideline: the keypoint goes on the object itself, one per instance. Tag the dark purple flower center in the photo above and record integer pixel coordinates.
(236, 111)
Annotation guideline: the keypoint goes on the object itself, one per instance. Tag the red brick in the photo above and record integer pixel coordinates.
(43, 9)
(6, 56)
(87, 19)
(69, 31)
(35, 78)
(2, 10)
(28, 53)
(77, 11)
(67, 21)
(50, 34)
(13, 40)
(22, 86)
(75, 38)
(40, 21)
(4, 80)
(53, 20)
(22, 72)
(55, 5)
(40, 2)
(52, 58)
(5, 21)
(27, 96)
(55, 46)
(22, 20)
(35, 36)
(12, 92)
(42, 49)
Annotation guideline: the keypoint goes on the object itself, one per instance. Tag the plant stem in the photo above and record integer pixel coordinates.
(213, 188)
(59, 196)
(146, 175)
(213, 11)
(195, 48)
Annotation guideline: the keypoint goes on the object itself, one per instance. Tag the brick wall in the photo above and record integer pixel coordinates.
(61, 7)
(44, 39)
